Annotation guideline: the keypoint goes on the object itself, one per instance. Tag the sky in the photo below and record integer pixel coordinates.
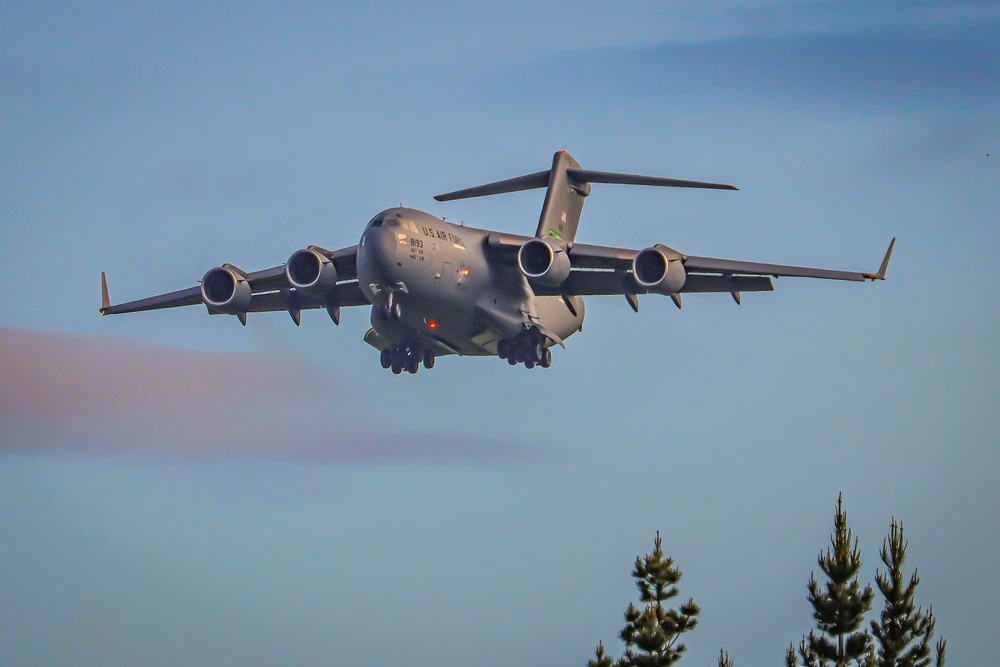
(176, 489)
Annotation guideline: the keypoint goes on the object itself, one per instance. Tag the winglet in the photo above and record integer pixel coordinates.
(885, 262)
(105, 300)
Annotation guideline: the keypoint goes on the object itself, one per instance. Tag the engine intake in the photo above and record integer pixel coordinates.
(654, 271)
(543, 262)
(225, 290)
(311, 272)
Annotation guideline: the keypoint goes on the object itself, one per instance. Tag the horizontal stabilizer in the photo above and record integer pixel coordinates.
(578, 177)
(529, 182)
(588, 176)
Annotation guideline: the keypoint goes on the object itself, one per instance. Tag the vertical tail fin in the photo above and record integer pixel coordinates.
(564, 198)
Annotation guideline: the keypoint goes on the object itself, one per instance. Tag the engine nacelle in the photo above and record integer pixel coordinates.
(654, 271)
(543, 262)
(311, 272)
(226, 290)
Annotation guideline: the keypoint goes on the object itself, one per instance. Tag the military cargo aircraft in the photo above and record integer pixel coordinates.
(437, 288)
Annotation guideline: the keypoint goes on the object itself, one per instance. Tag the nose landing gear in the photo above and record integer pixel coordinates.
(392, 310)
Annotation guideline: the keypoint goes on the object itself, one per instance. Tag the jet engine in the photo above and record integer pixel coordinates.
(654, 271)
(543, 262)
(225, 289)
(311, 272)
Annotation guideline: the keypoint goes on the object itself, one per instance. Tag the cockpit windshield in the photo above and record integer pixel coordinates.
(385, 220)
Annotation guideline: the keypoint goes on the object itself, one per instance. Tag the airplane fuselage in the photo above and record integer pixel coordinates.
(433, 287)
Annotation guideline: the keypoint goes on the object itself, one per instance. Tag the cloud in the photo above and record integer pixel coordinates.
(840, 72)
(103, 396)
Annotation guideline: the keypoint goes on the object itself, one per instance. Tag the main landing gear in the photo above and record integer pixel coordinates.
(528, 348)
(402, 358)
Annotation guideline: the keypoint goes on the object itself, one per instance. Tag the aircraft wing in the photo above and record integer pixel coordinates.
(605, 270)
(269, 291)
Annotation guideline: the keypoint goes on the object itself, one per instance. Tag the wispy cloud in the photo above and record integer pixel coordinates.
(83, 395)
(869, 70)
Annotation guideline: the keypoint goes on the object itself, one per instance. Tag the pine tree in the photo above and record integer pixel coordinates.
(724, 660)
(601, 658)
(839, 609)
(904, 631)
(651, 634)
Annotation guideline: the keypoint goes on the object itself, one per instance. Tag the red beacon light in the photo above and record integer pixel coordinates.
(432, 324)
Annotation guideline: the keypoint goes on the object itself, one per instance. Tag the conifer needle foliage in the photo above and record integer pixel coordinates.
(839, 607)
(904, 631)
(601, 659)
(651, 633)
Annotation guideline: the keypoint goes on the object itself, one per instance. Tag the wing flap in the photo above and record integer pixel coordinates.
(607, 283)
(728, 266)
(348, 294)
(707, 283)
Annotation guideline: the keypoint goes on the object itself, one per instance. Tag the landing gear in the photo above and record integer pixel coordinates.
(404, 358)
(392, 311)
(528, 348)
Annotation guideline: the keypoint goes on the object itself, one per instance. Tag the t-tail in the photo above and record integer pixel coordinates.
(567, 185)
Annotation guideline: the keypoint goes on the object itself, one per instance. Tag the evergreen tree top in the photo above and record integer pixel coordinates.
(842, 560)
(655, 576)
(651, 632)
(839, 607)
(904, 631)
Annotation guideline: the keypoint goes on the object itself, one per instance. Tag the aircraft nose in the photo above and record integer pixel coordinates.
(379, 251)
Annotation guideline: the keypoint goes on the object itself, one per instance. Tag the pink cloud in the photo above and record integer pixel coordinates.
(90, 395)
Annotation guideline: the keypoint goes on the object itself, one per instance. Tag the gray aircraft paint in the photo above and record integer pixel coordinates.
(438, 274)
(436, 288)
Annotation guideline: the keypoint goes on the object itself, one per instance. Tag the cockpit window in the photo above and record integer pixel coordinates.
(376, 221)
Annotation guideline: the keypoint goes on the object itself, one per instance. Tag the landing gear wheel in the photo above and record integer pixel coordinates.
(396, 368)
(512, 361)
(428, 361)
(529, 363)
(395, 311)
(538, 351)
(412, 363)
(546, 359)
(386, 358)
(503, 349)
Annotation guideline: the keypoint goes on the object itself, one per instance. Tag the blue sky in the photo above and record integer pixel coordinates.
(176, 489)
